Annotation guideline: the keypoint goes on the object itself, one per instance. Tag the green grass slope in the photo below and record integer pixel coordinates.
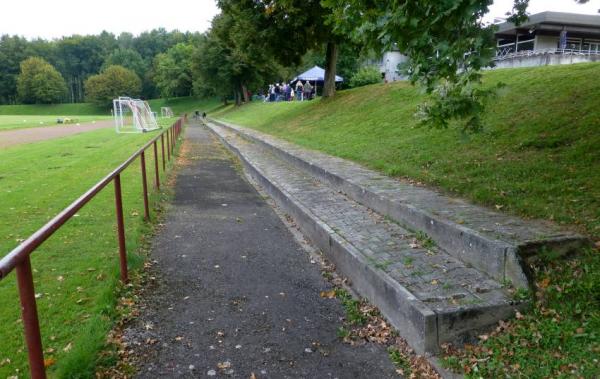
(538, 156)
(185, 104)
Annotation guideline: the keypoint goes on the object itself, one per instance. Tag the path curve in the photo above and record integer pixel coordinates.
(20, 136)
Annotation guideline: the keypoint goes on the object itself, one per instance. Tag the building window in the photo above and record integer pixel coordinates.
(526, 43)
(525, 46)
(572, 44)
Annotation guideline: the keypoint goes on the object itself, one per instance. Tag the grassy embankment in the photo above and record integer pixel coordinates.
(76, 270)
(538, 157)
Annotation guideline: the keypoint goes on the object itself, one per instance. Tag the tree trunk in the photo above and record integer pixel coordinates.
(245, 93)
(330, 68)
(238, 97)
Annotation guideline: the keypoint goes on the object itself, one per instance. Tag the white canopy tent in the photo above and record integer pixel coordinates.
(316, 75)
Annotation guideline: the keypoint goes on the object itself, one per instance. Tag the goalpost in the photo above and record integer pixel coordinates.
(133, 116)
(166, 112)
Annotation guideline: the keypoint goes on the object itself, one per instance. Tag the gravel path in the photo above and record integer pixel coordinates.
(235, 293)
(19, 136)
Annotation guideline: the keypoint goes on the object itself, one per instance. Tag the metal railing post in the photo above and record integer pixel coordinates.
(172, 145)
(31, 323)
(156, 177)
(121, 229)
(162, 147)
(168, 146)
(145, 186)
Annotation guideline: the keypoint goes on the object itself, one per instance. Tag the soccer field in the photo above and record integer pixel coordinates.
(76, 270)
(8, 122)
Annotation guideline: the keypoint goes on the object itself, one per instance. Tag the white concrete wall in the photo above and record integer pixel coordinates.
(545, 60)
(389, 65)
(546, 42)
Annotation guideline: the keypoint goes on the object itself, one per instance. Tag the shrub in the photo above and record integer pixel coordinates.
(111, 83)
(40, 83)
(365, 76)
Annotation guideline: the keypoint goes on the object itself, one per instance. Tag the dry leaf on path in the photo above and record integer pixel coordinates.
(328, 294)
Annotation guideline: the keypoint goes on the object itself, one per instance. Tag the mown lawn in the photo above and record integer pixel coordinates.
(76, 270)
(537, 157)
(8, 122)
(54, 109)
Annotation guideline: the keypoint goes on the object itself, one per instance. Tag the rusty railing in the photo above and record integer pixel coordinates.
(19, 259)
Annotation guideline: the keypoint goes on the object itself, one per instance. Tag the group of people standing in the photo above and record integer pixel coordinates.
(287, 92)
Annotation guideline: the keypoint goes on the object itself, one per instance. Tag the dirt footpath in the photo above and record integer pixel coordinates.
(16, 137)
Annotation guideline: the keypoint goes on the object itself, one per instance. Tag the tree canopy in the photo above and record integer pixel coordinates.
(111, 83)
(40, 83)
(173, 71)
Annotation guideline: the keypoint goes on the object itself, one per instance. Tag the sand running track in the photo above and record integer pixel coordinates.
(16, 137)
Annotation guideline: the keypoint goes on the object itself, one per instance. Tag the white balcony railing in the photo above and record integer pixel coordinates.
(508, 53)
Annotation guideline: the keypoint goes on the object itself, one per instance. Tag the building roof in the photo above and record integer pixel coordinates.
(555, 21)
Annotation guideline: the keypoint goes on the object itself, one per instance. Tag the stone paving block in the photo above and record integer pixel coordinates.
(493, 242)
(420, 290)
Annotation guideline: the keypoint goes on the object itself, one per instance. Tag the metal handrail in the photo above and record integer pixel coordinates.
(19, 258)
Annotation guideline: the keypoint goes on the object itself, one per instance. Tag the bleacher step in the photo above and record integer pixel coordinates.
(493, 242)
(430, 296)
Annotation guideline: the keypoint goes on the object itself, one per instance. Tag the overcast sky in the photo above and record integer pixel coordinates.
(55, 18)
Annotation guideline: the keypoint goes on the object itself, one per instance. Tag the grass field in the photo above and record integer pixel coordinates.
(79, 109)
(537, 157)
(76, 270)
(8, 122)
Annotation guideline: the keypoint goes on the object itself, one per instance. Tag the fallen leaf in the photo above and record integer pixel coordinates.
(224, 365)
(49, 362)
(252, 376)
(328, 294)
(498, 207)
(68, 347)
(178, 338)
(544, 283)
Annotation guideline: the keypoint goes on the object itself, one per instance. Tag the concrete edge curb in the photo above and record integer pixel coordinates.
(417, 321)
(500, 260)
(422, 327)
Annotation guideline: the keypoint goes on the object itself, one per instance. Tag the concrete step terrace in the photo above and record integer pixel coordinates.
(430, 296)
(496, 243)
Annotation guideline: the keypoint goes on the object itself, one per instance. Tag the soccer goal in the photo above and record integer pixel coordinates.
(166, 112)
(133, 116)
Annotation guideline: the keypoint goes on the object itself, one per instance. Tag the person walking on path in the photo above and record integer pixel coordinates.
(234, 293)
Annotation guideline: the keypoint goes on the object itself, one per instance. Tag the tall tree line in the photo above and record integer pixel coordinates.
(78, 57)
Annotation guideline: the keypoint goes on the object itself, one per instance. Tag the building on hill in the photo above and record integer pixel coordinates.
(388, 64)
(548, 38)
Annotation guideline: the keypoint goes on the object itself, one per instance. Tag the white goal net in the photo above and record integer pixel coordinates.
(166, 112)
(133, 116)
